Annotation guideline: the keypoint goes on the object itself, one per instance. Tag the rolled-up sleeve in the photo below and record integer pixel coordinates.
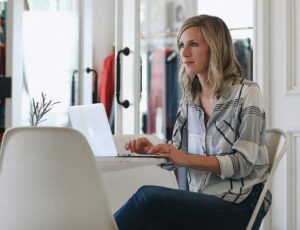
(226, 166)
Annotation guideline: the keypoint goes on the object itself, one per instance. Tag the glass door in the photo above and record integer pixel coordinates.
(150, 79)
(149, 73)
(51, 41)
(49, 51)
(51, 62)
(128, 66)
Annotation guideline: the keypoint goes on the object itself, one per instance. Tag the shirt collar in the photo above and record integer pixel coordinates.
(224, 92)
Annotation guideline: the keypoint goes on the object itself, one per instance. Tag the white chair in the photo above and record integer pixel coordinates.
(49, 180)
(273, 140)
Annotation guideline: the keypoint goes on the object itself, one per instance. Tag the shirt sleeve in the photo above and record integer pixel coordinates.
(226, 166)
(249, 143)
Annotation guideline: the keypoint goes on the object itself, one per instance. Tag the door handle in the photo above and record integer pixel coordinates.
(73, 87)
(95, 82)
(126, 52)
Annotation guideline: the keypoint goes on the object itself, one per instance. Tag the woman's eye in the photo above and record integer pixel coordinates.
(194, 44)
(181, 45)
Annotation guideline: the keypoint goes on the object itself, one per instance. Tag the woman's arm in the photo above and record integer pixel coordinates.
(180, 158)
(249, 147)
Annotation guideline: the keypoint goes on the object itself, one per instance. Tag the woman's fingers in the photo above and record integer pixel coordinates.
(127, 145)
(139, 145)
(130, 145)
(133, 149)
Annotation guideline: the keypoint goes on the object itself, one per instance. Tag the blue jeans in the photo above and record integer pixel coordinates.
(153, 207)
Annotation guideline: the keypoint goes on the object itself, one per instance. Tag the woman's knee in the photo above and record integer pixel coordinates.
(147, 193)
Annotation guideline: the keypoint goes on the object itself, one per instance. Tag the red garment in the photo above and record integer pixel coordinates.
(157, 86)
(106, 87)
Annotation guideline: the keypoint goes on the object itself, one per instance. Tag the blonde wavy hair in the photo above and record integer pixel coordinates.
(223, 63)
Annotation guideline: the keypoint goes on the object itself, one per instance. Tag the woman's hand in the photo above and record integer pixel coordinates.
(170, 152)
(140, 145)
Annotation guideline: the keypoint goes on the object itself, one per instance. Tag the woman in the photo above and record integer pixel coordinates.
(219, 135)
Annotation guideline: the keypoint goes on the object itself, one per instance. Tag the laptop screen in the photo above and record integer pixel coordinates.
(92, 122)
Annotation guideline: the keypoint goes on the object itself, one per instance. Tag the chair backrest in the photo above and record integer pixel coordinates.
(273, 137)
(273, 142)
(49, 180)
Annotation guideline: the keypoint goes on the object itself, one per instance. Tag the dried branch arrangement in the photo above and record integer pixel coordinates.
(39, 109)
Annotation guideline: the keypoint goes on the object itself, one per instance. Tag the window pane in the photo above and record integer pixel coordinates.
(51, 43)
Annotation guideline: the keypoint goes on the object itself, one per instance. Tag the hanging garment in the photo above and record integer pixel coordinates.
(157, 86)
(244, 54)
(164, 91)
(173, 92)
(106, 87)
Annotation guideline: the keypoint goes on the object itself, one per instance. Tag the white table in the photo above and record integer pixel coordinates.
(108, 164)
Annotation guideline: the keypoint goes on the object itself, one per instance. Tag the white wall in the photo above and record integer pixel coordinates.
(284, 91)
(277, 75)
(103, 30)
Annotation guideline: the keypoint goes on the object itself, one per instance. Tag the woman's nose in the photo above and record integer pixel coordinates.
(185, 52)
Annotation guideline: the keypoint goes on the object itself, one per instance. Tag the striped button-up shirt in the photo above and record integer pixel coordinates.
(235, 134)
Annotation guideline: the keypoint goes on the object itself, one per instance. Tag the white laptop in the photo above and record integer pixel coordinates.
(91, 120)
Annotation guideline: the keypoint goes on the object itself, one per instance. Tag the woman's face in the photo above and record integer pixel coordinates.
(194, 51)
